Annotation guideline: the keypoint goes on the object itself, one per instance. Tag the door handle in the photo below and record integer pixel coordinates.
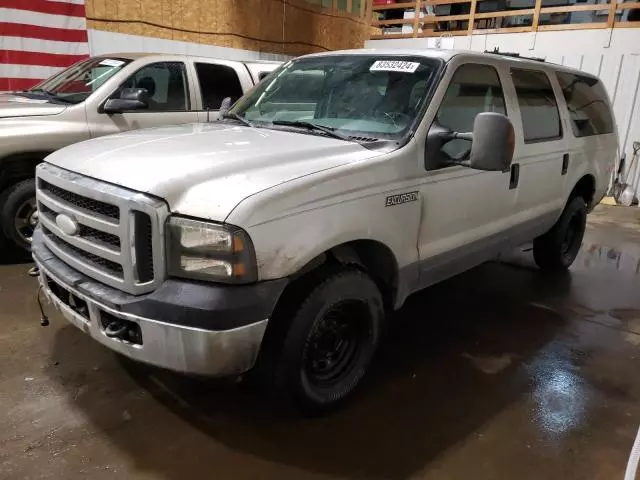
(515, 176)
(565, 164)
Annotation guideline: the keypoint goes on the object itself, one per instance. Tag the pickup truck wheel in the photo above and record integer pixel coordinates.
(332, 333)
(19, 214)
(558, 248)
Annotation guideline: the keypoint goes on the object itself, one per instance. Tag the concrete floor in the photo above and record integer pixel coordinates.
(500, 373)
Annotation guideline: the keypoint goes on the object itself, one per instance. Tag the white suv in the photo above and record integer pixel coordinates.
(279, 236)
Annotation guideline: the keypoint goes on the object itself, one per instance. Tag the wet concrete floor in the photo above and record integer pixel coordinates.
(500, 373)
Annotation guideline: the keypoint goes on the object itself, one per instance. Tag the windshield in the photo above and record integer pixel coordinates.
(77, 82)
(372, 96)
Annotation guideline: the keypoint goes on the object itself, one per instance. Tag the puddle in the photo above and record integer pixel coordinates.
(594, 256)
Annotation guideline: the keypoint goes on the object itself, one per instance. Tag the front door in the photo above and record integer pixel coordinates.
(170, 101)
(466, 214)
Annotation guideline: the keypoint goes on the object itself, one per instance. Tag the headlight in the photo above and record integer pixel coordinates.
(209, 251)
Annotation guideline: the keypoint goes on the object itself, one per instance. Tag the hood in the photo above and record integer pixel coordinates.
(205, 170)
(12, 105)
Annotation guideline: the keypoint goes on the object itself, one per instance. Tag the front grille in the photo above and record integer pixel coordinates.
(95, 261)
(101, 238)
(126, 254)
(80, 201)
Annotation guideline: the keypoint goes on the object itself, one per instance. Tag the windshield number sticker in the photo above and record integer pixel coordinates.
(109, 62)
(401, 198)
(394, 66)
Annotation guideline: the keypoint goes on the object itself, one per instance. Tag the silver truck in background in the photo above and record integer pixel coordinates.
(100, 96)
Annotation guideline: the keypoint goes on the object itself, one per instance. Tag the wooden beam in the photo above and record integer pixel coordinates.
(574, 8)
(472, 17)
(572, 26)
(391, 35)
(416, 18)
(627, 25)
(445, 18)
(349, 6)
(334, 4)
(453, 33)
(536, 15)
(363, 8)
(503, 30)
(627, 5)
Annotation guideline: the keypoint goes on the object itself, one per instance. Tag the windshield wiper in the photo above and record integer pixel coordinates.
(50, 94)
(239, 118)
(313, 126)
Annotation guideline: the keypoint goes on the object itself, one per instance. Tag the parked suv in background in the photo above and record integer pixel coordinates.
(280, 237)
(100, 96)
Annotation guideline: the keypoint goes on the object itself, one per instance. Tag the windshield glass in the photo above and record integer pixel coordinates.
(77, 82)
(369, 96)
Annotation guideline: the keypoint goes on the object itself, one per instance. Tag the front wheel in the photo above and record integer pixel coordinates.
(321, 355)
(558, 248)
(19, 214)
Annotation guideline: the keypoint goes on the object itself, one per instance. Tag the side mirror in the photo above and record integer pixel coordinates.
(130, 99)
(493, 142)
(224, 106)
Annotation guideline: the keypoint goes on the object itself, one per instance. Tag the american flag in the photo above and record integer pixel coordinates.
(38, 38)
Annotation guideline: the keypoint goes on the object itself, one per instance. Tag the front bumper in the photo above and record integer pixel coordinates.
(181, 339)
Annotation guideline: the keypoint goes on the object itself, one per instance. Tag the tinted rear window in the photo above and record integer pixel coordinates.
(538, 106)
(588, 106)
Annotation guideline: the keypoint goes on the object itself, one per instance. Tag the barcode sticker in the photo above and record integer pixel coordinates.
(394, 66)
(109, 62)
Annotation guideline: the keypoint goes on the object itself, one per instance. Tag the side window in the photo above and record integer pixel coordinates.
(473, 89)
(216, 83)
(588, 105)
(538, 106)
(166, 83)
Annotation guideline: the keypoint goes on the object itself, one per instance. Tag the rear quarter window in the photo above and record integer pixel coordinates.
(538, 106)
(588, 104)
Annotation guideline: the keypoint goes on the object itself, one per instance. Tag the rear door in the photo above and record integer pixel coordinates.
(541, 148)
(591, 137)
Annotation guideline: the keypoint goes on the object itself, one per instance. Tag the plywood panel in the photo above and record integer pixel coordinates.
(279, 26)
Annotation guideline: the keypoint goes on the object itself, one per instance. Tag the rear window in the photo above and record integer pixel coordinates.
(538, 106)
(588, 105)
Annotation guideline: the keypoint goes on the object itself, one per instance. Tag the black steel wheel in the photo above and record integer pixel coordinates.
(558, 248)
(322, 340)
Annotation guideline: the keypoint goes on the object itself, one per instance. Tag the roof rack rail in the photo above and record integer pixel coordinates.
(497, 51)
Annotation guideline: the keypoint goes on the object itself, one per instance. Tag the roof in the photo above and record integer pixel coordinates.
(136, 55)
(447, 55)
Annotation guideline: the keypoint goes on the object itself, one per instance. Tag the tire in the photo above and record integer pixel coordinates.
(335, 311)
(558, 248)
(17, 213)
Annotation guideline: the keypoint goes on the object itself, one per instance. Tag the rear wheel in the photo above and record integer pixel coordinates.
(558, 248)
(324, 342)
(19, 214)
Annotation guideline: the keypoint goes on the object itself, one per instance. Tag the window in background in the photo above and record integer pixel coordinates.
(538, 106)
(588, 106)
(216, 83)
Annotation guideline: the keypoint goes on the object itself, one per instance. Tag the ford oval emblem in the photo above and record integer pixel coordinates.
(67, 224)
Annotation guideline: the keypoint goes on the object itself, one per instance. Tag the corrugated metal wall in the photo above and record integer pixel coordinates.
(613, 55)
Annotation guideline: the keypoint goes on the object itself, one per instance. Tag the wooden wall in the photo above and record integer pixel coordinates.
(290, 27)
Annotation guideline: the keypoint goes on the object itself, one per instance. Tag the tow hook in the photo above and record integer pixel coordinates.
(44, 320)
(33, 272)
(116, 330)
